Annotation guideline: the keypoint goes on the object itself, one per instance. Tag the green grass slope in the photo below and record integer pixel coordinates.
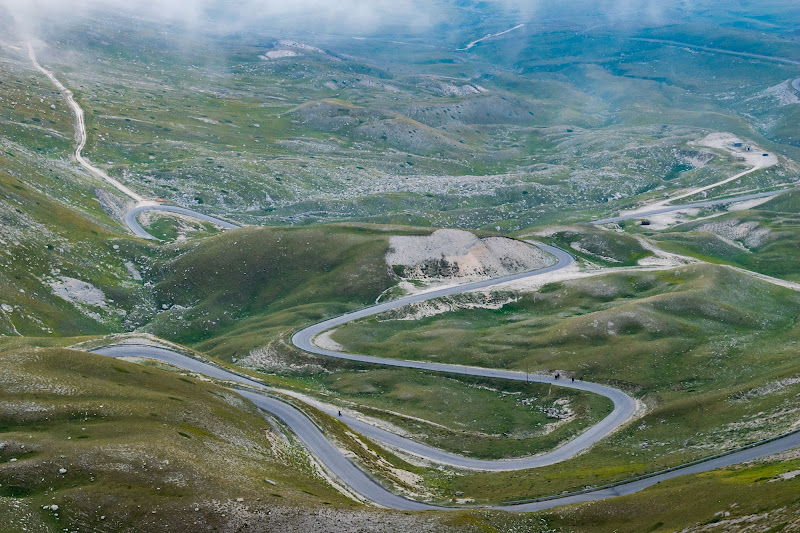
(140, 447)
(761, 496)
(63, 263)
(223, 284)
(599, 246)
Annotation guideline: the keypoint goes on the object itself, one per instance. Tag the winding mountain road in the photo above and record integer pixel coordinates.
(362, 484)
(624, 405)
(333, 459)
(349, 474)
(359, 482)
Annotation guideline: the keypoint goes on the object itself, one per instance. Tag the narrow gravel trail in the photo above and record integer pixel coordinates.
(776, 59)
(80, 131)
(141, 204)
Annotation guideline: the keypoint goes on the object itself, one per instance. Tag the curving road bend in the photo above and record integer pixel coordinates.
(355, 479)
(133, 224)
(366, 487)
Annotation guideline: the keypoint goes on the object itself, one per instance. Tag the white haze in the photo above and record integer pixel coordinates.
(336, 16)
(229, 15)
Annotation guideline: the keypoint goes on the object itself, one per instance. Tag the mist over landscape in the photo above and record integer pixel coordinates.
(453, 265)
(356, 16)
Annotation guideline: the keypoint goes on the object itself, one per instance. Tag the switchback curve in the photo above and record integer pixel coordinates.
(624, 405)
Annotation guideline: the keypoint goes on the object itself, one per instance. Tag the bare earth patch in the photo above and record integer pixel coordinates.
(78, 292)
(279, 54)
(459, 256)
(748, 233)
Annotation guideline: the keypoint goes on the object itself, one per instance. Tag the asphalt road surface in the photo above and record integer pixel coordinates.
(133, 224)
(359, 482)
(624, 405)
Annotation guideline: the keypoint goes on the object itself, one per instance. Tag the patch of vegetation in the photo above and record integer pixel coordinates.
(755, 494)
(764, 239)
(170, 228)
(599, 246)
(490, 419)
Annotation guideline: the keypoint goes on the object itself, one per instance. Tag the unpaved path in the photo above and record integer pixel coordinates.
(749, 153)
(141, 203)
(489, 36)
(719, 50)
(649, 210)
(80, 131)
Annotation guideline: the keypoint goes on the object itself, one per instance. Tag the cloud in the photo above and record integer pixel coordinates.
(363, 15)
(360, 17)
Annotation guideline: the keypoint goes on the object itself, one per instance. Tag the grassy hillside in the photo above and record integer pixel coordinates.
(560, 121)
(143, 448)
(140, 447)
(763, 239)
(63, 265)
(216, 285)
(596, 245)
